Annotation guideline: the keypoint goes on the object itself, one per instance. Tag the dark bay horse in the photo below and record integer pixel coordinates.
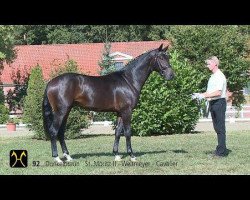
(116, 92)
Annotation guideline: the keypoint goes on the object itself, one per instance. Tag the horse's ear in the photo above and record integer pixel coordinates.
(160, 48)
(165, 49)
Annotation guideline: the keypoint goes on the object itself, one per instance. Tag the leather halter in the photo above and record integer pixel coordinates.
(159, 65)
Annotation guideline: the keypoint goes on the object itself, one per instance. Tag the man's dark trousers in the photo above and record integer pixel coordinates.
(218, 111)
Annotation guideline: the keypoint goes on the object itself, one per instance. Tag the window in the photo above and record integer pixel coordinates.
(119, 65)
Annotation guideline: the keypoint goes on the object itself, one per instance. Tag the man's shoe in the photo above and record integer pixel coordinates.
(215, 154)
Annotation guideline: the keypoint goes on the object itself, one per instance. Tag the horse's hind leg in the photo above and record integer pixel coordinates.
(54, 129)
(126, 118)
(57, 130)
(118, 131)
(62, 140)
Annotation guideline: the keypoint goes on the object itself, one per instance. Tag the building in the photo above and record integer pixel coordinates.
(86, 55)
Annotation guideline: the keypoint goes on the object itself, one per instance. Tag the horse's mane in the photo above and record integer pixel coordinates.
(133, 62)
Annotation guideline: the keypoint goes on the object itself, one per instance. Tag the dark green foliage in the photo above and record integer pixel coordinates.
(33, 102)
(4, 114)
(4, 111)
(228, 43)
(1, 96)
(70, 66)
(158, 32)
(78, 117)
(71, 34)
(107, 63)
(166, 107)
(15, 97)
(31, 34)
(7, 52)
(104, 116)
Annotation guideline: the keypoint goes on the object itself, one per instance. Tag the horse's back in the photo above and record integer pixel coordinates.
(92, 92)
(99, 93)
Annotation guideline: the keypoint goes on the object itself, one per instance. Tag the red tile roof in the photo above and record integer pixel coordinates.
(86, 55)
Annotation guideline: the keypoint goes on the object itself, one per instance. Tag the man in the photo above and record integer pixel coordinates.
(216, 95)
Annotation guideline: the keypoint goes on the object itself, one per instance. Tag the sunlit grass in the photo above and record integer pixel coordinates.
(171, 154)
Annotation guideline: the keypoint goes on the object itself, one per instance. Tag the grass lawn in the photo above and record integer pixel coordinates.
(163, 155)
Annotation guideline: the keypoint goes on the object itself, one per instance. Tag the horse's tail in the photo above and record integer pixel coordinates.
(47, 114)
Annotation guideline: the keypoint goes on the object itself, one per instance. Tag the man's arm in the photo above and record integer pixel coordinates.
(213, 94)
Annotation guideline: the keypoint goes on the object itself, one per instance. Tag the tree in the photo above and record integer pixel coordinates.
(31, 34)
(16, 96)
(107, 63)
(72, 34)
(228, 43)
(2, 99)
(158, 32)
(70, 66)
(4, 112)
(7, 52)
(60, 35)
(33, 102)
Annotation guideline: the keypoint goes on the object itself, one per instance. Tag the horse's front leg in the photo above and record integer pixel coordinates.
(118, 131)
(126, 117)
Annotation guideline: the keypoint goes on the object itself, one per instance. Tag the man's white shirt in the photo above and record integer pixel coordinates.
(217, 81)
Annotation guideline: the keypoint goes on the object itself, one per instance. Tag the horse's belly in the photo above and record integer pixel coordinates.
(96, 103)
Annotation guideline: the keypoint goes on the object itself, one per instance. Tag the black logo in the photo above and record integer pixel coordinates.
(18, 158)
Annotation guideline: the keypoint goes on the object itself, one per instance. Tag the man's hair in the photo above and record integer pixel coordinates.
(213, 59)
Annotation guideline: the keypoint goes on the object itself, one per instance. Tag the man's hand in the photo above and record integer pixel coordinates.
(198, 96)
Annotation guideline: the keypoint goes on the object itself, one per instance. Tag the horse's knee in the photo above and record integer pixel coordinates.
(53, 135)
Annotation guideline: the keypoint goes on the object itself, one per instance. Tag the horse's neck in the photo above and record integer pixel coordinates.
(138, 75)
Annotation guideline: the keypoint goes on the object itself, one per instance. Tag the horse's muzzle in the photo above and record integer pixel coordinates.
(169, 76)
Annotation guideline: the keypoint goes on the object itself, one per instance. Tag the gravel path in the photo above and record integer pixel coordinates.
(107, 129)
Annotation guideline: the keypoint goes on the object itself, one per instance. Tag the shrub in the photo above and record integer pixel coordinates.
(1, 96)
(16, 96)
(33, 102)
(77, 120)
(104, 116)
(166, 107)
(4, 111)
(4, 114)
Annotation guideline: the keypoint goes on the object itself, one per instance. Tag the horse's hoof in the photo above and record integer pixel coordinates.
(118, 158)
(133, 159)
(58, 160)
(68, 157)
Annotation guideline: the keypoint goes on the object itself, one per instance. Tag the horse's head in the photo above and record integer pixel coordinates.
(160, 63)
